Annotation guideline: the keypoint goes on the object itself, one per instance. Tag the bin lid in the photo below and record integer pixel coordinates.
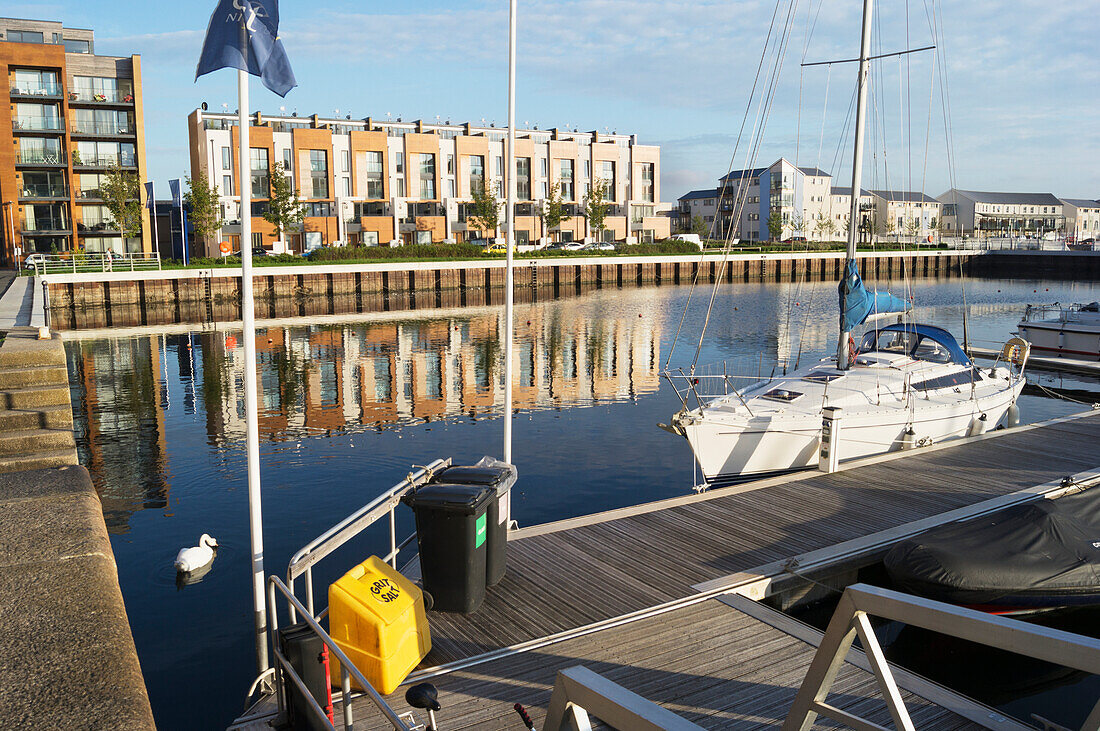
(473, 475)
(447, 497)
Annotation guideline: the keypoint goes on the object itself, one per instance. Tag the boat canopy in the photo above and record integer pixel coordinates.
(921, 342)
(857, 303)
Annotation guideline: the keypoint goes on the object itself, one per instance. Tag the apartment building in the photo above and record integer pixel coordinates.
(374, 182)
(1082, 217)
(969, 212)
(905, 213)
(695, 203)
(70, 115)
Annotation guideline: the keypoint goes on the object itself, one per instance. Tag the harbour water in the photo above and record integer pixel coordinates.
(348, 406)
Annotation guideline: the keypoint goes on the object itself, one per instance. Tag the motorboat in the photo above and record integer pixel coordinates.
(1067, 331)
(907, 385)
(1028, 558)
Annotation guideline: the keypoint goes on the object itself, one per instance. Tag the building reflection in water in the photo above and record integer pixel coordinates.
(316, 379)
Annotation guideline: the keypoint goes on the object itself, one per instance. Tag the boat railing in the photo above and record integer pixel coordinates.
(1067, 313)
(579, 691)
(851, 619)
(307, 557)
(348, 671)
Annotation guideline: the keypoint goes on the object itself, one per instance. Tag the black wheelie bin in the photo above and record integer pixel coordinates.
(500, 476)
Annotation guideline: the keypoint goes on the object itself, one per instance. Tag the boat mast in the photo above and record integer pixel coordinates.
(857, 175)
(510, 232)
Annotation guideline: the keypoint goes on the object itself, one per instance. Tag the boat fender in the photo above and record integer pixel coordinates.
(1013, 416)
(907, 438)
(852, 352)
(977, 426)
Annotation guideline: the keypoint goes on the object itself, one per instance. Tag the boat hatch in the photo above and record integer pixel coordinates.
(782, 394)
(951, 379)
(822, 376)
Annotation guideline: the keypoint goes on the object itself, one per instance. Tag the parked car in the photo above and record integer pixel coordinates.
(30, 261)
(572, 245)
(601, 246)
(496, 248)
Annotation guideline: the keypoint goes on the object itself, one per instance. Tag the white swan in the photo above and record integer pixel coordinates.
(195, 557)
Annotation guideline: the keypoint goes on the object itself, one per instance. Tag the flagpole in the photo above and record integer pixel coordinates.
(248, 316)
(510, 233)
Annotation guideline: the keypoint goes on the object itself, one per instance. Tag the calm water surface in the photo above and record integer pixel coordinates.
(348, 406)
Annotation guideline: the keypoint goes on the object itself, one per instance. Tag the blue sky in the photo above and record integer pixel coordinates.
(1024, 85)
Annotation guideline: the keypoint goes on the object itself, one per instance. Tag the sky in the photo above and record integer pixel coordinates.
(1022, 83)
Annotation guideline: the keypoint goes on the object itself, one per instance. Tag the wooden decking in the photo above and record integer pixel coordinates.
(719, 666)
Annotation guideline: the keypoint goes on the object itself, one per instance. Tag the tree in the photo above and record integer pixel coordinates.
(913, 226)
(775, 225)
(205, 212)
(283, 209)
(553, 210)
(824, 227)
(698, 226)
(844, 221)
(798, 225)
(595, 207)
(484, 211)
(121, 194)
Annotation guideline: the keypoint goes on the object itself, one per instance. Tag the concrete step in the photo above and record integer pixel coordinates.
(39, 460)
(50, 375)
(28, 441)
(22, 349)
(34, 397)
(45, 417)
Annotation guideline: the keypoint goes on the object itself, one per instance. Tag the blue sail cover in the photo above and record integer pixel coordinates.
(857, 303)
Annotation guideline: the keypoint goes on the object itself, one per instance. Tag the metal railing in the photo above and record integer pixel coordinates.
(578, 690)
(104, 160)
(302, 563)
(94, 262)
(347, 667)
(42, 88)
(42, 190)
(45, 224)
(37, 124)
(852, 618)
(101, 128)
(40, 157)
(102, 96)
(1067, 313)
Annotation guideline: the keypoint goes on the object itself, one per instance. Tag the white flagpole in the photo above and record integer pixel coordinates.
(248, 315)
(511, 237)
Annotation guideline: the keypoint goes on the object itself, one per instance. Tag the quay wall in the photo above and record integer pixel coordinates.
(127, 299)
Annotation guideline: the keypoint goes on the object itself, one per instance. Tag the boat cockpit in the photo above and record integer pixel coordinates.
(919, 342)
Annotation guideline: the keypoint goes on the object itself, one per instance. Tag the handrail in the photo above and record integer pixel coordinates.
(578, 690)
(347, 667)
(94, 262)
(303, 561)
(850, 619)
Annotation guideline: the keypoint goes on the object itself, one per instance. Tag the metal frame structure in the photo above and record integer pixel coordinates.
(578, 690)
(852, 618)
(347, 667)
(57, 264)
(309, 555)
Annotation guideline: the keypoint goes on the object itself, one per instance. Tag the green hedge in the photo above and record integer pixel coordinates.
(416, 251)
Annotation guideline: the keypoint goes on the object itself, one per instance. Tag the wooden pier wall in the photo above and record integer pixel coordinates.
(125, 299)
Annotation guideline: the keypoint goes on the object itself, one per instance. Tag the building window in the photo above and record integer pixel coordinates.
(73, 45)
(647, 182)
(346, 183)
(318, 173)
(29, 82)
(227, 159)
(227, 185)
(25, 36)
(476, 166)
(103, 89)
(587, 169)
(427, 176)
(399, 163)
(450, 164)
(543, 189)
(258, 164)
(104, 154)
(499, 164)
(523, 178)
(565, 180)
(374, 175)
(102, 122)
(450, 188)
(345, 161)
(544, 167)
(399, 188)
(288, 156)
(607, 177)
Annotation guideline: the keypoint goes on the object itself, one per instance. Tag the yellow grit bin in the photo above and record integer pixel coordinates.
(376, 616)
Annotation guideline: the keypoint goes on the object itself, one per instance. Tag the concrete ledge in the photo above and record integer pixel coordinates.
(67, 656)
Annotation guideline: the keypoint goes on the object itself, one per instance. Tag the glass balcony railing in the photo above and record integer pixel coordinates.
(44, 224)
(36, 124)
(103, 96)
(97, 225)
(41, 157)
(104, 160)
(101, 128)
(95, 193)
(41, 88)
(42, 190)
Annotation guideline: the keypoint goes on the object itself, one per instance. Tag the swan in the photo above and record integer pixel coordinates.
(195, 557)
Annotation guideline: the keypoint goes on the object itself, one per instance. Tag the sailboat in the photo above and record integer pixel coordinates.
(903, 385)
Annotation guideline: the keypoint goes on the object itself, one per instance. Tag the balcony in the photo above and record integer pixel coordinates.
(105, 96)
(37, 124)
(38, 225)
(104, 161)
(97, 227)
(42, 190)
(101, 129)
(41, 157)
(41, 90)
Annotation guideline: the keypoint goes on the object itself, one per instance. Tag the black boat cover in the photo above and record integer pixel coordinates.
(1048, 548)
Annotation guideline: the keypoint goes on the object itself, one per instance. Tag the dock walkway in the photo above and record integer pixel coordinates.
(584, 590)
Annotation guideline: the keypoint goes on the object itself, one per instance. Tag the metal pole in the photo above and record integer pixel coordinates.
(510, 233)
(857, 170)
(255, 517)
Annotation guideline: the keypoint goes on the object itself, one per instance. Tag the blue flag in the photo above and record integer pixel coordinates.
(232, 23)
(149, 196)
(174, 188)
